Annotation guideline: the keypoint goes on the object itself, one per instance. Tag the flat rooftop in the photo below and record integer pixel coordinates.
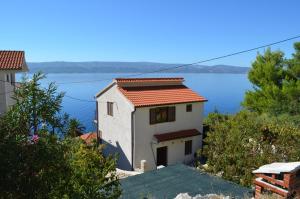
(168, 182)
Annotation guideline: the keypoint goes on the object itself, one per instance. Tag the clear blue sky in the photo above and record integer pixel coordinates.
(158, 30)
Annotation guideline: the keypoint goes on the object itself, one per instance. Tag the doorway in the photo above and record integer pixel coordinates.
(162, 156)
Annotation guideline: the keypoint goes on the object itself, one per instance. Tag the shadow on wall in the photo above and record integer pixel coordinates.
(122, 163)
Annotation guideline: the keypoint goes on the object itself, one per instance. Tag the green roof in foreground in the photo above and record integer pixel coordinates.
(168, 182)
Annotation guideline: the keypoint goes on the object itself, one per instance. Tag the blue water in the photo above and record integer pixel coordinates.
(224, 92)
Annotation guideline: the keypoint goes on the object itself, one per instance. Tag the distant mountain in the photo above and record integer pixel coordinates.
(128, 67)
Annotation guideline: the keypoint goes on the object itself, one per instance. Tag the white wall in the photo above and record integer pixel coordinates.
(6, 91)
(144, 134)
(176, 149)
(116, 129)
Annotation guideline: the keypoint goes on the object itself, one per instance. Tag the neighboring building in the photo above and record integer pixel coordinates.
(89, 138)
(170, 181)
(157, 121)
(280, 178)
(11, 62)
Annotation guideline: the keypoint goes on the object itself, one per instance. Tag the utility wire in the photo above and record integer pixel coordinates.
(75, 98)
(172, 68)
(198, 62)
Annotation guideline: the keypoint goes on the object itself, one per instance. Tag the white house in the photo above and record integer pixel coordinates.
(158, 120)
(11, 62)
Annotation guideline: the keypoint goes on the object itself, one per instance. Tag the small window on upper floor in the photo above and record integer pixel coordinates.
(7, 77)
(189, 108)
(110, 108)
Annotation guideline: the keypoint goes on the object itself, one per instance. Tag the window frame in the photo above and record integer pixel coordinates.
(110, 108)
(168, 111)
(161, 112)
(189, 108)
(188, 147)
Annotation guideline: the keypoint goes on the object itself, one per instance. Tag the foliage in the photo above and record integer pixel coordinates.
(35, 160)
(75, 128)
(93, 176)
(31, 170)
(238, 144)
(36, 108)
(276, 83)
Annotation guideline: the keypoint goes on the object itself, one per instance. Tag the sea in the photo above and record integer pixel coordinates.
(224, 92)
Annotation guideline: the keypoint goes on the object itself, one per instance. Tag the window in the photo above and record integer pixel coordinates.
(162, 114)
(12, 78)
(7, 77)
(189, 108)
(188, 147)
(110, 108)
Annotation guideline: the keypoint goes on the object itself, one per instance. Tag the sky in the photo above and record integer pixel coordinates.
(169, 31)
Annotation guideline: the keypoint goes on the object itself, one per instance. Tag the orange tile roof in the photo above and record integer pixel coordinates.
(89, 137)
(177, 135)
(12, 60)
(142, 96)
(159, 79)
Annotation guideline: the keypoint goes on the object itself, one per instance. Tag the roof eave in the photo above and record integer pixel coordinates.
(105, 89)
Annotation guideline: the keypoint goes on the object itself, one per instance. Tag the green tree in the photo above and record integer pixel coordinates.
(36, 162)
(36, 107)
(276, 83)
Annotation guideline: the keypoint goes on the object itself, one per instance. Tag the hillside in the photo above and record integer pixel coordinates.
(128, 67)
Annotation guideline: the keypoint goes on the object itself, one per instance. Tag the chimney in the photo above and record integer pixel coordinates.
(143, 165)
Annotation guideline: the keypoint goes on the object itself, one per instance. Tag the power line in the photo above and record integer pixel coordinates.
(198, 62)
(83, 100)
(172, 68)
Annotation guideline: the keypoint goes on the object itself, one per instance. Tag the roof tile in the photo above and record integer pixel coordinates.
(160, 95)
(11, 60)
(159, 79)
(89, 137)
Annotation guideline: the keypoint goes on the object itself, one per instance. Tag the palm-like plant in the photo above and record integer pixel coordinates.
(75, 128)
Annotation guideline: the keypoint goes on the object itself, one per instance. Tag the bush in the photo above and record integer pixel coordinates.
(238, 144)
(51, 168)
(36, 161)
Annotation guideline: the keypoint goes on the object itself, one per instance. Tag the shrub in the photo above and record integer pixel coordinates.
(238, 144)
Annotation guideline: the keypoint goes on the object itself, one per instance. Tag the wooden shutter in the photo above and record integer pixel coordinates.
(171, 113)
(152, 116)
(110, 108)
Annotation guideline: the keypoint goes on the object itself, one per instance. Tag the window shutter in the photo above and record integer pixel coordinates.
(108, 111)
(111, 108)
(152, 116)
(171, 113)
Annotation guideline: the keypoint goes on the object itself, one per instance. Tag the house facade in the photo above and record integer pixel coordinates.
(11, 62)
(152, 121)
